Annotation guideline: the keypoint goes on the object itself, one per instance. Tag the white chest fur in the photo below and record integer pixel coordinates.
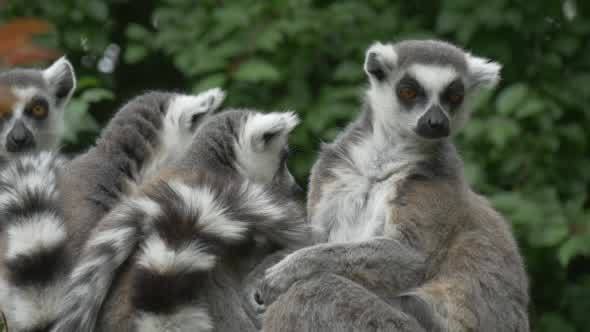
(354, 207)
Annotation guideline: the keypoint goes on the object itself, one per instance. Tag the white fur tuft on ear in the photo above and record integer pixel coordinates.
(483, 72)
(183, 116)
(262, 138)
(380, 60)
(62, 79)
(264, 129)
(183, 109)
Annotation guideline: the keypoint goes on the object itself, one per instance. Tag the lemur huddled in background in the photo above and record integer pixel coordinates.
(170, 248)
(39, 237)
(406, 245)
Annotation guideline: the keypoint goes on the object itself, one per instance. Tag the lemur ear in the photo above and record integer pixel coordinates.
(268, 130)
(380, 61)
(189, 110)
(61, 78)
(483, 72)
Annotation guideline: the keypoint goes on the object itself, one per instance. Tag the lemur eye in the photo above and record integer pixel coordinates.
(407, 94)
(455, 98)
(39, 111)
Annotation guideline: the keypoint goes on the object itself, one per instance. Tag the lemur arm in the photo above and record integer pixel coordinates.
(328, 302)
(379, 271)
(94, 182)
(379, 263)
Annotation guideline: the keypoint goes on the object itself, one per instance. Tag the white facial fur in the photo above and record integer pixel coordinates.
(390, 119)
(46, 134)
(435, 79)
(61, 82)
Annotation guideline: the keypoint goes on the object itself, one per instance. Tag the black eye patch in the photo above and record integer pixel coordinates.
(409, 82)
(454, 93)
(409, 91)
(38, 108)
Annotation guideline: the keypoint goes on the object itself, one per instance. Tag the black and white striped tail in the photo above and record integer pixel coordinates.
(186, 229)
(33, 235)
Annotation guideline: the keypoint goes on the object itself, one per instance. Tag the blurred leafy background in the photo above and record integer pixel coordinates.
(527, 146)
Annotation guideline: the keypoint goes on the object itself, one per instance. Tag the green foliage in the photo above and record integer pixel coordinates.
(526, 147)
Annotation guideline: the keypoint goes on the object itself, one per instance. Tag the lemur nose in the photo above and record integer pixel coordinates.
(19, 138)
(433, 124)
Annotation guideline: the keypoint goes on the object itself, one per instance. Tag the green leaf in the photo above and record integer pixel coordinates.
(77, 119)
(577, 245)
(553, 322)
(511, 97)
(96, 94)
(211, 81)
(448, 21)
(532, 107)
(348, 71)
(269, 39)
(502, 130)
(135, 53)
(257, 70)
(97, 10)
(551, 235)
(136, 32)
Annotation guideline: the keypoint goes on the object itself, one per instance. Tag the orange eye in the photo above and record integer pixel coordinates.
(455, 98)
(407, 94)
(39, 111)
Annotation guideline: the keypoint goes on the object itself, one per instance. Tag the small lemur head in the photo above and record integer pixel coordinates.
(248, 144)
(423, 87)
(32, 106)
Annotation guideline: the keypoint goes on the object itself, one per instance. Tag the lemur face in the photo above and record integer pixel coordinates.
(31, 107)
(421, 88)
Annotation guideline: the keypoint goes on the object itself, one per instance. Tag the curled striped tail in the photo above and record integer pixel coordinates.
(180, 230)
(34, 234)
(110, 245)
(199, 226)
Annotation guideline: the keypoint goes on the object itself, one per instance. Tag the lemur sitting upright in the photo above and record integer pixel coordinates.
(32, 104)
(409, 246)
(172, 254)
(37, 243)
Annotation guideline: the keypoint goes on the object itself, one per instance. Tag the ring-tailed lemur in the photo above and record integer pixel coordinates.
(172, 256)
(36, 250)
(408, 241)
(32, 107)
(32, 233)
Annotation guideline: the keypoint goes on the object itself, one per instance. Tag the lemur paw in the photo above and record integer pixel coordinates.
(135, 128)
(280, 277)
